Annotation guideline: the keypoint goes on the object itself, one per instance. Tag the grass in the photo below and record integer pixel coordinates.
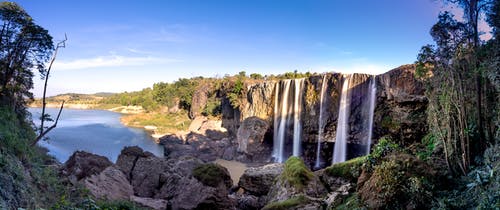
(286, 204)
(296, 172)
(165, 122)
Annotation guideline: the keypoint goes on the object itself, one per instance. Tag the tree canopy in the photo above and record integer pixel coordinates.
(24, 48)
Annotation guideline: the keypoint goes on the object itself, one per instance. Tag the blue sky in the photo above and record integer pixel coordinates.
(116, 46)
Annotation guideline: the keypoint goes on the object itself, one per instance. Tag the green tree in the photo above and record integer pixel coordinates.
(457, 109)
(24, 47)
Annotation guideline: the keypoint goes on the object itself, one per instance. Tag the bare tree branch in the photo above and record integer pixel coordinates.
(61, 44)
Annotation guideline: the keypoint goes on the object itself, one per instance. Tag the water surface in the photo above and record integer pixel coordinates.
(96, 131)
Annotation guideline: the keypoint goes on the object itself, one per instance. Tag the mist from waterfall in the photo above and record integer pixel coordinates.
(321, 123)
(339, 153)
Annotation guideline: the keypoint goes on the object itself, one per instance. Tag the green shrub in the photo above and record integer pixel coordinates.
(286, 204)
(212, 174)
(429, 143)
(384, 147)
(296, 172)
(350, 203)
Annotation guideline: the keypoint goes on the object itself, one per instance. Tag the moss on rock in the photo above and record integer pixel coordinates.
(296, 172)
(213, 175)
(287, 204)
(349, 169)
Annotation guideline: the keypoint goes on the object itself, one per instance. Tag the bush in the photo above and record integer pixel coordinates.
(400, 181)
(384, 147)
(213, 175)
(296, 172)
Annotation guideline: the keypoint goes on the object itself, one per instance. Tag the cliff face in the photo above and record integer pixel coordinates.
(399, 110)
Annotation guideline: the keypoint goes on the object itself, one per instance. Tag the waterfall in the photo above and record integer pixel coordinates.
(321, 123)
(373, 93)
(339, 153)
(276, 121)
(287, 119)
(297, 111)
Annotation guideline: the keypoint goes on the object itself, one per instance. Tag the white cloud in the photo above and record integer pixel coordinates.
(109, 61)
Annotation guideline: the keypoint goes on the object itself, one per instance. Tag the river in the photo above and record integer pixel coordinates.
(96, 131)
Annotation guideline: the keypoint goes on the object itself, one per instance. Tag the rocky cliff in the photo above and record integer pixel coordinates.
(399, 112)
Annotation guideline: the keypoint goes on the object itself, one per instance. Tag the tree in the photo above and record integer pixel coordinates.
(456, 109)
(24, 47)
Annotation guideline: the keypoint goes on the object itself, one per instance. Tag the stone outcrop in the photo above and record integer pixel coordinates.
(151, 181)
(250, 138)
(258, 180)
(199, 99)
(401, 105)
(83, 164)
(110, 184)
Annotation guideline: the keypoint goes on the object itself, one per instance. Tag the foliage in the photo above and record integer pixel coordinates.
(311, 95)
(296, 172)
(462, 104)
(384, 147)
(213, 107)
(480, 189)
(351, 203)
(429, 142)
(349, 169)
(286, 204)
(256, 76)
(211, 174)
(389, 123)
(401, 181)
(24, 46)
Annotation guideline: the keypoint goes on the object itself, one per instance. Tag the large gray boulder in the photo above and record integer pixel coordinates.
(250, 137)
(110, 184)
(258, 180)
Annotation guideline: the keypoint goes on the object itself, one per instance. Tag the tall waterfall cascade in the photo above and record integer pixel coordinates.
(321, 122)
(351, 109)
(340, 149)
(287, 119)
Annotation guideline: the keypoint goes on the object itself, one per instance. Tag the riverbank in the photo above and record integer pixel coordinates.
(157, 124)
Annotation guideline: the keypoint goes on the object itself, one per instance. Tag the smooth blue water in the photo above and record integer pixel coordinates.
(96, 131)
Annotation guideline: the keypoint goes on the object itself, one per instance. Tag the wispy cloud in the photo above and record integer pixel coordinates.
(110, 61)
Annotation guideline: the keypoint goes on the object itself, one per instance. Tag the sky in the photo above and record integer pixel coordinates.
(116, 46)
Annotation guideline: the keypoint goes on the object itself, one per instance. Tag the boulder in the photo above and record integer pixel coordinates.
(197, 123)
(128, 158)
(250, 138)
(83, 164)
(110, 184)
(158, 204)
(258, 180)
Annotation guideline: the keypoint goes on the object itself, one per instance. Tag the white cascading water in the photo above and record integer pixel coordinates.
(276, 120)
(373, 93)
(285, 112)
(321, 123)
(297, 111)
(339, 153)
